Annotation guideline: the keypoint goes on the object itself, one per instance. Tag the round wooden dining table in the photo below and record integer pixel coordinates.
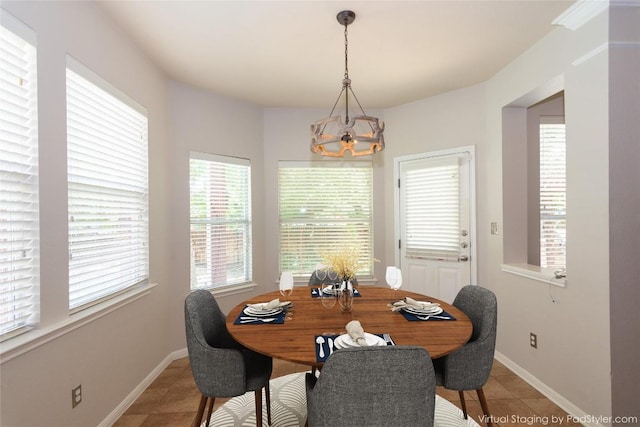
(294, 340)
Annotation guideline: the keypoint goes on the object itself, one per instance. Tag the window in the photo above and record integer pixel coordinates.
(19, 261)
(108, 189)
(553, 192)
(220, 189)
(324, 206)
(431, 206)
(534, 185)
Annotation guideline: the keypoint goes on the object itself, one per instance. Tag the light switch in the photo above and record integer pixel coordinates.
(494, 228)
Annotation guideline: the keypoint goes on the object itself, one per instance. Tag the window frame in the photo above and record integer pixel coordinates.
(520, 152)
(309, 262)
(244, 221)
(21, 175)
(124, 189)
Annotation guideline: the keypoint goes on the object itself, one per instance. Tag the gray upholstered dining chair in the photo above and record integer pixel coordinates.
(221, 366)
(373, 386)
(469, 367)
(314, 280)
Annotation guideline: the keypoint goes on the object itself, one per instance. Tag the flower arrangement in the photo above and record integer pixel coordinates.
(345, 262)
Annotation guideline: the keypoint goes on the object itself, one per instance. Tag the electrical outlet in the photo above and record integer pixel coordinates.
(76, 396)
(533, 340)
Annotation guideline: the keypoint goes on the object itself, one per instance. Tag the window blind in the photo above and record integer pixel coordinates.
(107, 183)
(432, 210)
(553, 191)
(324, 208)
(18, 182)
(220, 192)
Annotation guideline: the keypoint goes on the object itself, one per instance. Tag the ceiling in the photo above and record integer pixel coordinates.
(291, 53)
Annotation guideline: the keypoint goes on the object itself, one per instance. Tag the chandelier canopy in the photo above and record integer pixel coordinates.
(361, 134)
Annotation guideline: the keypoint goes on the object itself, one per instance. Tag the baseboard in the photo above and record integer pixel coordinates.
(547, 391)
(140, 388)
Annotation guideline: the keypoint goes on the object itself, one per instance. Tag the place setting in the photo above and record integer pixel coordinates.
(274, 311)
(355, 336)
(330, 283)
(415, 310)
(330, 290)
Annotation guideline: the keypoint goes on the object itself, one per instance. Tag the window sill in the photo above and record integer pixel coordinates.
(34, 338)
(233, 290)
(534, 272)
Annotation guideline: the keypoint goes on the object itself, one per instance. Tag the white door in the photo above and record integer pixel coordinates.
(435, 229)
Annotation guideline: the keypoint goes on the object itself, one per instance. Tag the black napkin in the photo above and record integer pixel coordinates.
(279, 318)
(411, 316)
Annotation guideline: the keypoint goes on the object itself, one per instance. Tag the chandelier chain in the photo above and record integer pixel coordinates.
(346, 53)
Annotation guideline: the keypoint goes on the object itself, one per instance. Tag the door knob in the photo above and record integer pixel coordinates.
(463, 258)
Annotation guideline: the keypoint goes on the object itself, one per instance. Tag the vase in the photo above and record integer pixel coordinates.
(345, 296)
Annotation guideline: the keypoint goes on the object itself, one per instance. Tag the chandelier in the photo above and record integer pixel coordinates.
(361, 134)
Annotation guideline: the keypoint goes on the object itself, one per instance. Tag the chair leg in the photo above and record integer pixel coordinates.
(463, 403)
(268, 402)
(258, 399)
(485, 408)
(198, 419)
(210, 411)
(315, 370)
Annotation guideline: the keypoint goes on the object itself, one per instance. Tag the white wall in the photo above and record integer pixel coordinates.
(208, 123)
(113, 354)
(572, 358)
(624, 207)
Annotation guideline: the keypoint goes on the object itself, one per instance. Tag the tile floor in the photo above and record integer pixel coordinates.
(172, 399)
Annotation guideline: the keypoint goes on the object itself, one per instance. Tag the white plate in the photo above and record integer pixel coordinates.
(329, 290)
(421, 312)
(262, 306)
(344, 341)
(253, 312)
(426, 305)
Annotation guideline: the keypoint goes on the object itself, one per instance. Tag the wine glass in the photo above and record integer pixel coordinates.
(393, 277)
(286, 289)
(332, 276)
(286, 283)
(328, 299)
(321, 274)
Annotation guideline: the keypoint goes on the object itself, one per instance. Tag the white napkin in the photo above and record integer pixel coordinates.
(271, 305)
(410, 302)
(355, 331)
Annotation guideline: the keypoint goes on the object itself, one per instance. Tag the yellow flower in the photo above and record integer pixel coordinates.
(345, 262)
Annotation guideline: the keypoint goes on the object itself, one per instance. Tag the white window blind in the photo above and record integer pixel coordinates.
(432, 210)
(324, 207)
(19, 263)
(107, 181)
(220, 202)
(553, 192)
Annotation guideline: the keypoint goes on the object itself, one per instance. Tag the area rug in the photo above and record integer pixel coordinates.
(289, 407)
